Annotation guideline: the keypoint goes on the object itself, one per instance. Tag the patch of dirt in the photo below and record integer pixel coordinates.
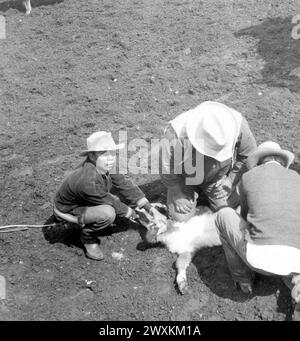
(74, 67)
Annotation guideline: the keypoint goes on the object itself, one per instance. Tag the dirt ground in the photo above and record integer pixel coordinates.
(75, 67)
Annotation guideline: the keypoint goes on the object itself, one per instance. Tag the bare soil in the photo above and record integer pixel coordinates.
(75, 67)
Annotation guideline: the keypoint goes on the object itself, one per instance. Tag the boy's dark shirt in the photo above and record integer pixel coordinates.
(87, 187)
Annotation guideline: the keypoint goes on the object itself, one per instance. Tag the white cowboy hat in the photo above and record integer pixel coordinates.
(101, 141)
(269, 148)
(213, 129)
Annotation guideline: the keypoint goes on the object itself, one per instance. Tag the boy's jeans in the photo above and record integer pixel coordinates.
(95, 219)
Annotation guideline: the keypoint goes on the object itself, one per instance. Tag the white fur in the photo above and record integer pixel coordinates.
(198, 232)
(185, 238)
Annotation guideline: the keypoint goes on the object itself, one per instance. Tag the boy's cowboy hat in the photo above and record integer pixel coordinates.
(213, 128)
(99, 142)
(269, 148)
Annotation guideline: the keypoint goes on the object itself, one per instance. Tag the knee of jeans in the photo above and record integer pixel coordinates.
(107, 215)
(223, 217)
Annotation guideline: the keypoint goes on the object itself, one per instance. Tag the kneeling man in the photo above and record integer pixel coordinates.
(265, 238)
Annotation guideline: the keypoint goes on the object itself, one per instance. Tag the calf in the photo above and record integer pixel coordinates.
(27, 5)
(184, 239)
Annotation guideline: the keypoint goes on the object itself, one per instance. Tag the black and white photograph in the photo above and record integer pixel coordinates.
(150, 163)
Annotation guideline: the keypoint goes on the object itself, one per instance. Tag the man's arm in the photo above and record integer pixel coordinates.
(246, 144)
(168, 170)
(134, 196)
(243, 201)
(128, 190)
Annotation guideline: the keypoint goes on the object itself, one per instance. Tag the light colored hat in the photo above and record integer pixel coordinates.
(213, 129)
(100, 141)
(269, 148)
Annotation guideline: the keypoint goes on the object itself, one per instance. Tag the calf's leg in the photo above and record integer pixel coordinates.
(182, 263)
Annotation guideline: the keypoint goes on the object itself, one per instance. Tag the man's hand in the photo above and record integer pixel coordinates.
(182, 202)
(222, 188)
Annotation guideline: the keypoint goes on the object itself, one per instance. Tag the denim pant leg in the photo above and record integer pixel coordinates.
(95, 219)
(231, 227)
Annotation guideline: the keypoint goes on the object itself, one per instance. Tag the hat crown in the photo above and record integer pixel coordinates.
(269, 145)
(101, 141)
(214, 134)
(213, 129)
(269, 148)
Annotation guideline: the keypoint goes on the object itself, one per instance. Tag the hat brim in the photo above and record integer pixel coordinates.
(256, 156)
(112, 148)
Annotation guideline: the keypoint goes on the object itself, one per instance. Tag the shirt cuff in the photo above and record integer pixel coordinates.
(142, 202)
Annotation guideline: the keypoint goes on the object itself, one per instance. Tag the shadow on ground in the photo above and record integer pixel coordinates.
(18, 4)
(213, 272)
(60, 232)
(279, 50)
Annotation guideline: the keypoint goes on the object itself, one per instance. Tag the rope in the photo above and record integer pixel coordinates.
(70, 218)
(13, 228)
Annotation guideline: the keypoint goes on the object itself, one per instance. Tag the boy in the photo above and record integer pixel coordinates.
(87, 193)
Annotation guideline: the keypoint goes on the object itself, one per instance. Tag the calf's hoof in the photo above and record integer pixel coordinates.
(295, 293)
(296, 314)
(183, 286)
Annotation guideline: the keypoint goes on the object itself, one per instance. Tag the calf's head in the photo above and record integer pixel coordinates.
(154, 229)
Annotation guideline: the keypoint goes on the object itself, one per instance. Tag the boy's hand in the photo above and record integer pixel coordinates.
(133, 215)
